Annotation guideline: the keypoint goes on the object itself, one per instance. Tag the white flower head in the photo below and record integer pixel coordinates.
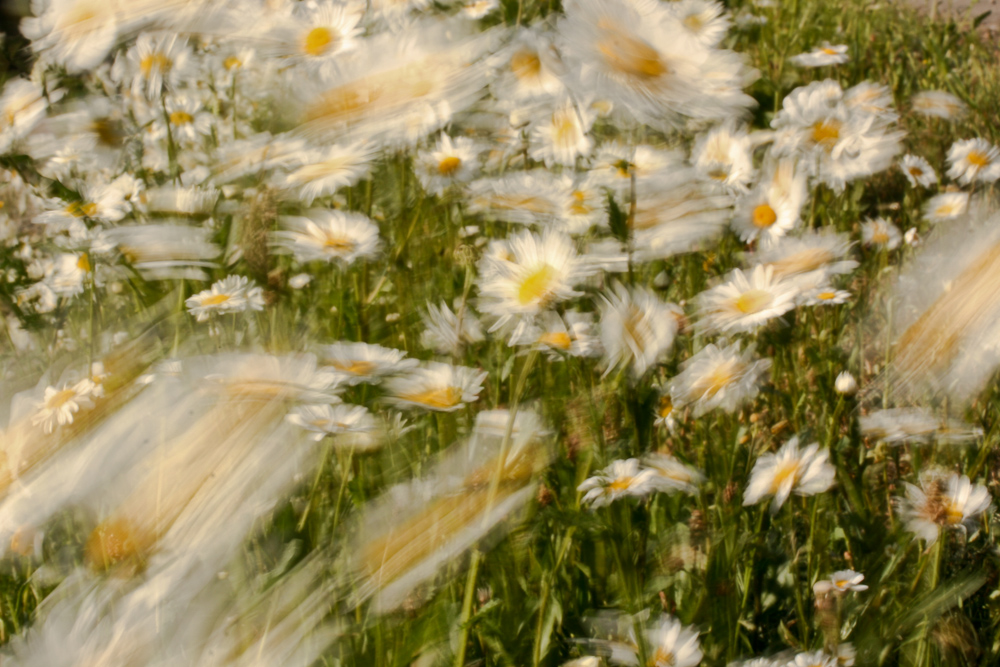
(672, 475)
(745, 303)
(718, 378)
(621, 478)
(452, 161)
(447, 331)
(881, 233)
(637, 328)
(946, 206)
(973, 160)
(233, 294)
(822, 56)
(58, 406)
(562, 137)
(435, 386)
(845, 383)
(322, 172)
(942, 501)
(847, 580)
(938, 103)
(806, 472)
(328, 235)
(918, 171)
(363, 362)
(326, 420)
(723, 154)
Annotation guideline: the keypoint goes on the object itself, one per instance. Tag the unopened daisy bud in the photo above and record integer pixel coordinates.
(845, 383)
(911, 237)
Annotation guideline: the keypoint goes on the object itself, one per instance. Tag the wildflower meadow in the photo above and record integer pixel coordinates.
(498, 333)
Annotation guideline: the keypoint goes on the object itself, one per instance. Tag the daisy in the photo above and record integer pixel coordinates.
(38, 298)
(322, 172)
(187, 121)
(529, 69)
(718, 377)
(672, 475)
(58, 406)
(724, 155)
(636, 328)
(946, 206)
(77, 34)
(942, 501)
(585, 207)
(232, 294)
(813, 659)
(161, 251)
(22, 106)
(664, 414)
(938, 103)
(562, 137)
(821, 56)
(540, 272)
(881, 233)
(531, 197)
(326, 420)
(806, 472)
(363, 362)
(774, 206)
(745, 303)
(705, 20)
(809, 260)
(824, 296)
(845, 383)
(435, 386)
(973, 160)
(477, 9)
(871, 98)
(847, 580)
(669, 643)
(328, 235)
(450, 162)
(317, 33)
(155, 62)
(447, 331)
(918, 171)
(68, 274)
(572, 334)
(621, 478)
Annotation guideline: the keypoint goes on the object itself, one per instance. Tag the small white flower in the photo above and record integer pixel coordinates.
(823, 55)
(435, 386)
(718, 378)
(881, 233)
(326, 420)
(362, 362)
(973, 160)
(637, 328)
(232, 294)
(744, 303)
(918, 171)
(845, 383)
(299, 280)
(938, 103)
(59, 405)
(621, 478)
(672, 475)
(328, 235)
(806, 472)
(912, 237)
(847, 580)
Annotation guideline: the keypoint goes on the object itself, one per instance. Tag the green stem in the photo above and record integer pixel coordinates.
(470, 589)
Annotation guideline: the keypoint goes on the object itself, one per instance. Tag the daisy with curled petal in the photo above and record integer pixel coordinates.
(918, 171)
(718, 378)
(672, 475)
(621, 478)
(806, 472)
(946, 206)
(847, 580)
(637, 328)
(973, 160)
(823, 55)
(435, 386)
(328, 235)
(232, 294)
(881, 233)
(938, 103)
(364, 362)
(541, 271)
(774, 206)
(59, 405)
(744, 303)
(322, 172)
(942, 501)
(562, 137)
(452, 161)
(326, 420)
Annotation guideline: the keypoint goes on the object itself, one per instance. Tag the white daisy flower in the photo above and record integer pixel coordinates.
(774, 206)
(327, 420)
(705, 20)
(317, 33)
(477, 9)
(68, 274)
(621, 478)
(636, 328)
(58, 406)
(322, 172)
(871, 98)
(328, 235)
(847, 580)
(562, 137)
(723, 154)
(669, 643)
(364, 362)
(665, 414)
(233, 294)
(22, 106)
(746, 303)
(672, 475)
(530, 197)
(77, 34)
(573, 334)
(447, 331)
(813, 659)
(155, 62)
(540, 272)
(946, 206)
(806, 472)
(938, 103)
(881, 233)
(942, 501)
(824, 296)
(973, 160)
(718, 378)
(450, 162)
(898, 425)
(435, 386)
(529, 69)
(809, 260)
(918, 171)
(187, 121)
(822, 56)
(585, 208)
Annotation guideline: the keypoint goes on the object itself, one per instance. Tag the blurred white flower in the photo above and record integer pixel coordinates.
(805, 472)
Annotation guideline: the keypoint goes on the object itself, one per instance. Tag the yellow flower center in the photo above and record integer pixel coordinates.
(354, 367)
(783, 473)
(438, 398)
(880, 236)
(953, 514)
(666, 406)
(318, 41)
(536, 287)
(449, 165)
(916, 172)
(214, 299)
(627, 54)
(80, 209)
(826, 296)
(181, 118)
(754, 301)
(621, 484)
(978, 159)
(662, 657)
(157, 61)
(828, 51)
(83, 263)
(526, 65)
(60, 398)
(693, 22)
(579, 206)
(338, 243)
(231, 63)
(556, 339)
(563, 128)
(826, 133)
(841, 583)
(764, 216)
(717, 379)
